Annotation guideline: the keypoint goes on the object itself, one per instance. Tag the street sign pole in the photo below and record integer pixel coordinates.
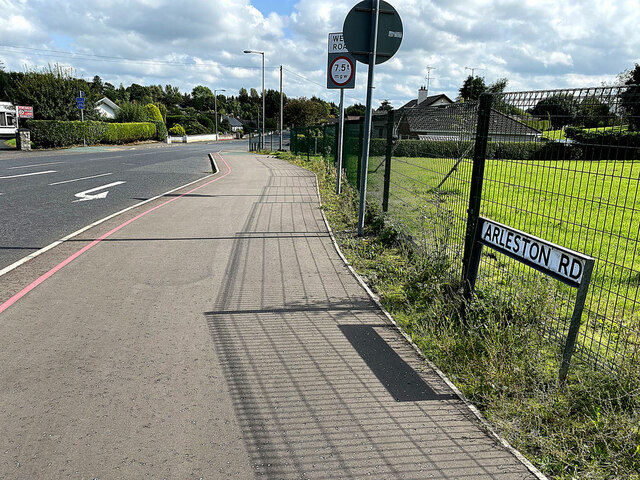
(340, 143)
(84, 137)
(375, 6)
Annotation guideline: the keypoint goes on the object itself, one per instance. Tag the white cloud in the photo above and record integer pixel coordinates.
(534, 43)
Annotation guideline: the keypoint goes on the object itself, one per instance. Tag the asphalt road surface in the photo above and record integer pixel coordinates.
(45, 196)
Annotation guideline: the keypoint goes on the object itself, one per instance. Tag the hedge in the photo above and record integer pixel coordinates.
(57, 133)
(129, 132)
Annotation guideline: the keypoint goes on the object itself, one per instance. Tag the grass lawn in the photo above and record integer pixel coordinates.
(590, 207)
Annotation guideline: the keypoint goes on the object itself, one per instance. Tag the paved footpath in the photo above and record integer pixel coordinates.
(221, 336)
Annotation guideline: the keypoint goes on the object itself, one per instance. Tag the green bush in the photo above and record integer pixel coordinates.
(129, 132)
(606, 144)
(207, 122)
(193, 127)
(177, 130)
(131, 113)
(56, 133)
(59, 133)
(174, 119)
(153, 113)
(161, 131)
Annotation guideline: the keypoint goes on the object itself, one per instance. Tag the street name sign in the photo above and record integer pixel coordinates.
(341, 66)
(558, 262)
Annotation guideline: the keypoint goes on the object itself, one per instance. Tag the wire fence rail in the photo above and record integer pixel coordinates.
(560, 165)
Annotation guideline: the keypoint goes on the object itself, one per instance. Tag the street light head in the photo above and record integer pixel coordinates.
(248, 51)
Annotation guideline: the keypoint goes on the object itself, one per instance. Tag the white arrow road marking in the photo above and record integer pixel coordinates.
(28, 174)
(84, 196)
(78, 179)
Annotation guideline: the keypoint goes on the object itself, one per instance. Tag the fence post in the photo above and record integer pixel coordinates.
(360, 139)
(477, 177)
(307, 143)
(387, 160)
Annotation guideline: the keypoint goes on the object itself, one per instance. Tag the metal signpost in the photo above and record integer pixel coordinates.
(341, 74)
(373, 33)
(567, 266)
(80, 104)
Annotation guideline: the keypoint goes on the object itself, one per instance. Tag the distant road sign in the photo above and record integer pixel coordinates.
(80, 102)
(24, 112)
(357, 32)
(341, 66)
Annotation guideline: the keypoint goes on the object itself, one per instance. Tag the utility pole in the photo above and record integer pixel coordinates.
(281, 107)
(473, 69)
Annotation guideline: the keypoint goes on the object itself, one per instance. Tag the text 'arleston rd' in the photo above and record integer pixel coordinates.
(564, 264)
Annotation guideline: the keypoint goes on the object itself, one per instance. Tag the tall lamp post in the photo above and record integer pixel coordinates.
(215, 106)
(263, 96)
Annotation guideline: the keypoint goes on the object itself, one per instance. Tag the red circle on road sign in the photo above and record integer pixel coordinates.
(341, 68)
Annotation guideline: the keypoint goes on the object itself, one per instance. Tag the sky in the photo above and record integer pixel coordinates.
(535, 44)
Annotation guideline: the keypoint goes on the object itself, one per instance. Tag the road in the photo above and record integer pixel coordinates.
(45, 196)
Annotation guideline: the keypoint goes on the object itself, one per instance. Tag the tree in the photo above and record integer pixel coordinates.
(302, 112)
(139, 94)
(52, 92)
(472, 88)
(202, 98)
(97, 86)
(355, 110)
(385, 105)
(630, 99)
(593, 113)
(560, 109)
(498, 86)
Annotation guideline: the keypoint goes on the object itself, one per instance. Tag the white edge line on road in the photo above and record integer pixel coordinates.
(33, 255)
(537, 473)
(35, 165)
(28, 174)
(78, 179)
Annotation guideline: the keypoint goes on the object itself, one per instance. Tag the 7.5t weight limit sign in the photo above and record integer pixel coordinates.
(341, 66)
(341, 70)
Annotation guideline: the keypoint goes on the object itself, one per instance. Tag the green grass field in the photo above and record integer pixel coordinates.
(590, 207)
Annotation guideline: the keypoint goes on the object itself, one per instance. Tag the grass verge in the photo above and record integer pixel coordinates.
(588, 429)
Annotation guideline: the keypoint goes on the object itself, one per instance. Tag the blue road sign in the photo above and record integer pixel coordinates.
(80, 102)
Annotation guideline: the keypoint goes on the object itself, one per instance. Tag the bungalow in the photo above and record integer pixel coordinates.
(106, 108)
(8, 123)
(424, 100)
(458, 121)
(236, 125)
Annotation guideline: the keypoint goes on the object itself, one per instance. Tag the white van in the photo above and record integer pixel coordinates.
(8, 123)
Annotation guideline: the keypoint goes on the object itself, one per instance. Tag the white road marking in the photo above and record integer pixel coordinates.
(84, 196)
(28, 174)
(53, 245)
(78, 179)
(35, 165)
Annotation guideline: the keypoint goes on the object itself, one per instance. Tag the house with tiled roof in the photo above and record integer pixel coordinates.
(426, 100)
(458, 121)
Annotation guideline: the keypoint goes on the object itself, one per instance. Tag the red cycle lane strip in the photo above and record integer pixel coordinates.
(66, 262)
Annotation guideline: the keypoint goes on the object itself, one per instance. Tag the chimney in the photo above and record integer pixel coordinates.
(423, 93)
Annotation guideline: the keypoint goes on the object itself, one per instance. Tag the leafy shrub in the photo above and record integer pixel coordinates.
(207, 122)
(129, 132)
(174, 119)
(606, 143)
(161, 131)
(177, 130)
(192, 127)
(57, 133)
(60, 133)
(153, 113)
(163, 111)
(131, 112)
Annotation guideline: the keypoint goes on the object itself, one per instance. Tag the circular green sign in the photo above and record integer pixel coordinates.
(357, 31)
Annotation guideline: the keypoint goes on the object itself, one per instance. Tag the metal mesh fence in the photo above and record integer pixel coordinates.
(561, 165)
